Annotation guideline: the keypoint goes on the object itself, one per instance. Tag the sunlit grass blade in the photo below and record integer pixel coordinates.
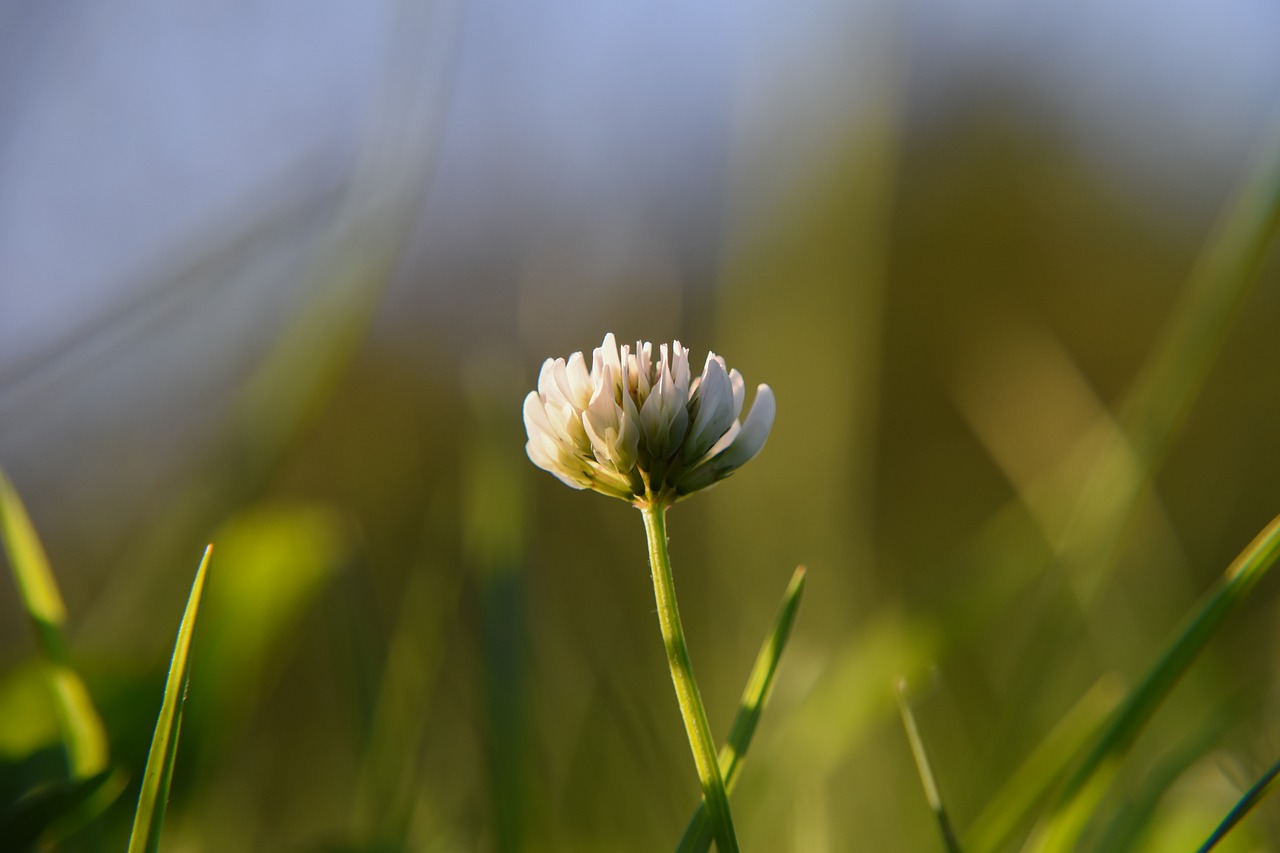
(697, 835)
(152, 801)
(1086, 785)
(1032, 783)
(927, 779)
(83, 734)
(1246, 803)
(1225, 274)
(1145, 815)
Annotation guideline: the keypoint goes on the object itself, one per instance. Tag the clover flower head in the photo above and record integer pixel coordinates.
(641, 429)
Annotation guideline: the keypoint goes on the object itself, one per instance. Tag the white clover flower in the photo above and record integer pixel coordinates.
(641, 430)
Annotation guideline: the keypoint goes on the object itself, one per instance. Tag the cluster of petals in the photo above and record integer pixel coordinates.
(639, 428)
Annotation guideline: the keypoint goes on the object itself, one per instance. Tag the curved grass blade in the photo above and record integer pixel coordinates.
(1245, 805)
(149, 816)
(698, 834)
(83, 734)
(1087, 784)
(1226, 272)
(927, 779)
(1032, 783)
(1136, 820)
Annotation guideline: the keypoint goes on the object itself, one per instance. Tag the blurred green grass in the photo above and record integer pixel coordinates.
(417, 641)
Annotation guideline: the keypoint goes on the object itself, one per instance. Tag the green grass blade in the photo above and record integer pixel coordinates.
(149, 817)
(1224, 275)
(83, 734)
(1140, 816)
(1087, 784)
(1032, 783)
(927, 779)
(697, 835)
(1250, 799)
(1154, 410)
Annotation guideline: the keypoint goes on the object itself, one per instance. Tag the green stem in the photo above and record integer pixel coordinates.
(695, 716)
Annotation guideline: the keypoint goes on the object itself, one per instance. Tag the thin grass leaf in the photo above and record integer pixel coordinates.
(1089, 538)
(1140, 817)
(1245, 805)
(1031, 784)
(927, 779)
(1225, 274)
(698, 834)
(1087, 784)
(83, 734)
(387, 784)
(153, 800)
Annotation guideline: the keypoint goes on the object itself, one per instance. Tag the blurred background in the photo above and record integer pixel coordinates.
(278, 275)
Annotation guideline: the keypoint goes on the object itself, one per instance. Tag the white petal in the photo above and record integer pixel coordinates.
(551, 455)
(664, 418)
(597, 369)
(567, 422)
(755, 431)
(609, 482)
(548, 387)
(712, 411)
(613, 434)
(608, 350)
(600, 419)
(629, 411)
(536, 421)
(680, 367)
(642, 368)
(539, 455)
(725, 440)
(579, 381)
(745, 444)
(626, 371)
(739, 392)
(628, 436)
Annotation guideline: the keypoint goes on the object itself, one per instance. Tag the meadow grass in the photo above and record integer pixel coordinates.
(509, 709)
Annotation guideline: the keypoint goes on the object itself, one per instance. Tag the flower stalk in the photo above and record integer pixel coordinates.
(690, 699)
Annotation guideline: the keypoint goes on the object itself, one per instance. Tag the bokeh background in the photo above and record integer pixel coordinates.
(278, 275)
